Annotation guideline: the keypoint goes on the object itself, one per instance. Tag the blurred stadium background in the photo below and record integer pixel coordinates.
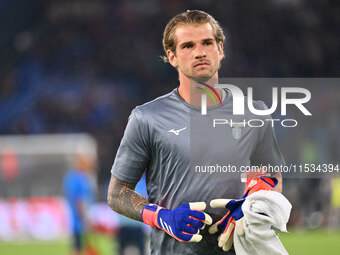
(71, 72)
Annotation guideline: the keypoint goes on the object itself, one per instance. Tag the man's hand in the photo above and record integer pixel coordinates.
(183, 223)
(227, 224)
(234, 218)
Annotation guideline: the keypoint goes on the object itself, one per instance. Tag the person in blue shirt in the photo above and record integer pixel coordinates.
(78, 189)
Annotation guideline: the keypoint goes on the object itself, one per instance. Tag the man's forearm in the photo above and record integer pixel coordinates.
(124, 200)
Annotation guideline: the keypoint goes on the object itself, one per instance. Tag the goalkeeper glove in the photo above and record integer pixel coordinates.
(253, 184)
(227, 224)
(234, 217)
(183, 223)
(262, 182)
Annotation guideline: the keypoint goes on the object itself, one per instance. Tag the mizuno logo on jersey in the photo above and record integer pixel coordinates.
(176, 132)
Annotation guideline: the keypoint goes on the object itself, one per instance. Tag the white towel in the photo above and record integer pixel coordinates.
(259, 238)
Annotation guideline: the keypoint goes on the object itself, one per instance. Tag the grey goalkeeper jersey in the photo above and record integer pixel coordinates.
(186, 159)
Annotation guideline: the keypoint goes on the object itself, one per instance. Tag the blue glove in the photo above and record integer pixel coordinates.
(182, 223)
(234, 217)
(227, 224)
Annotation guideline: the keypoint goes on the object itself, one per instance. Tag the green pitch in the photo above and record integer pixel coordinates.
(105, 245)
(35, 247)
(296, 242)
(311, 242)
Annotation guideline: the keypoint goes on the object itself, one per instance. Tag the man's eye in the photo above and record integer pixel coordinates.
(207, 43)
(188, 46)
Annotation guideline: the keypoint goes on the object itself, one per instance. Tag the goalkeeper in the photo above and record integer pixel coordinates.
(157, 141)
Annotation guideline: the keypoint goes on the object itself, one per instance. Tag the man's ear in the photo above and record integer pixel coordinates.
(220, 50)
(172, 58)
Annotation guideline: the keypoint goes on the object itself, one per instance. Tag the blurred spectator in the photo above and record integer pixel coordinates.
(79, 192)
(334, 221)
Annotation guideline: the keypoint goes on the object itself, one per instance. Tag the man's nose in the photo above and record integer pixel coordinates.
(200, 52)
